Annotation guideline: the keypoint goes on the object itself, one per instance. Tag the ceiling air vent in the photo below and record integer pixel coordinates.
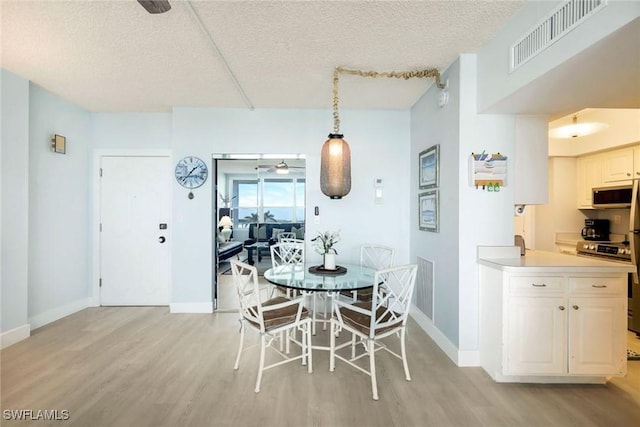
(564, 18)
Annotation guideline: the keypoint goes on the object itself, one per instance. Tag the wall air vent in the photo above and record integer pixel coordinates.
(564, 18)
(424, 287)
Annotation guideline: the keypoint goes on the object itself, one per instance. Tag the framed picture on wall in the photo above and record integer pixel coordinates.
(428, 211)
(429, 167)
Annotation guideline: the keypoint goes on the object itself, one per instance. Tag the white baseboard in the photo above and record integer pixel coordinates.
(191, 307)
(460, 358)
(59, 312)
(14, 335)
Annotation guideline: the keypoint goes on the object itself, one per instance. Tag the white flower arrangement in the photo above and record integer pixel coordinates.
(323, 242)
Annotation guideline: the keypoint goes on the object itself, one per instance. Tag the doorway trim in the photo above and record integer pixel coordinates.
(95, 214)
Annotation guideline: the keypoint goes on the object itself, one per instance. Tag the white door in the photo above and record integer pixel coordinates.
(135, 245)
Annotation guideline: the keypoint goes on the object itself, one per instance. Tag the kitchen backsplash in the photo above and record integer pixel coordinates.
(618, 218)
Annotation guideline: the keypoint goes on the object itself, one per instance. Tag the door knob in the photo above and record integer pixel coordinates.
(162, 239)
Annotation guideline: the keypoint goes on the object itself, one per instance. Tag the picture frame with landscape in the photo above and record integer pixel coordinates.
(428, 211)
(429, 167)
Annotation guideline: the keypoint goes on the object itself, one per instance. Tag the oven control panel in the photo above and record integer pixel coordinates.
(614, 251)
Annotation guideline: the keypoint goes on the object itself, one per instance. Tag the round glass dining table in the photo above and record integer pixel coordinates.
(298, 277)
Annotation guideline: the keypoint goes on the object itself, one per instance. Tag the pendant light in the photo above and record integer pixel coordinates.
(335, 160)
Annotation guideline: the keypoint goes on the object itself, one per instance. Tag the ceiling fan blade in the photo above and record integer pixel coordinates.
(155, 6)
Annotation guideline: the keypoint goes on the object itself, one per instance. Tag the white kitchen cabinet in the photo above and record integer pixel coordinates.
(636, 162)
(536, 335)
(568, 327)
(617, 166)
(589, 170)
(595, 346)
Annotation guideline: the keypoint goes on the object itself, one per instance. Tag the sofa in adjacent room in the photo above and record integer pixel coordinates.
(268, 231)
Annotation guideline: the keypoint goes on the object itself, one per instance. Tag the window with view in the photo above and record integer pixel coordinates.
(268, 200)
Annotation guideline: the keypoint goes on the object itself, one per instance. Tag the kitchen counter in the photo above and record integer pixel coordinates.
(505, 259)
(548, 317)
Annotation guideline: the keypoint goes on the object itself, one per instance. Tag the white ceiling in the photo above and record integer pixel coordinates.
(114, 56)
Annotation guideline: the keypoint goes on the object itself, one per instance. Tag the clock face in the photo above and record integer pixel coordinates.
(191, 172)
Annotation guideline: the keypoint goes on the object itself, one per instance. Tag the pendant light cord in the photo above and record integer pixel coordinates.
(426, 73)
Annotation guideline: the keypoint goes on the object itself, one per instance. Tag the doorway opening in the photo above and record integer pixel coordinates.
(255, 198)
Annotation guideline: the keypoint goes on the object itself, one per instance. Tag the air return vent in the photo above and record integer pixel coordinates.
(424, 287)
(564, 18)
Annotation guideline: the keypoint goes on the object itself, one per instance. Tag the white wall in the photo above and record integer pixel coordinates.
(59, 200)
(560, 214)
(379, 143)
(14, 208)
(468, 216)
(485, 217)
(493, 57)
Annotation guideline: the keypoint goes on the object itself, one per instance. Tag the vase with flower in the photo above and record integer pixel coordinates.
(324, 244)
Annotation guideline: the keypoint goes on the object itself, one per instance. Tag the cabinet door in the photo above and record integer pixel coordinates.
(536, 336)
(636, 162)
(617, 166)
(589, 176)
(597, 335)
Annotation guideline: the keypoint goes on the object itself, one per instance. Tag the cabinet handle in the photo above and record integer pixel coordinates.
(539, 286)
(637, 173)
(598, 286)
(561, 308)
(628, 174)
(575, 307)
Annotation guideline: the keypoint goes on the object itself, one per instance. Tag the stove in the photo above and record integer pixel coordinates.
(612, 251)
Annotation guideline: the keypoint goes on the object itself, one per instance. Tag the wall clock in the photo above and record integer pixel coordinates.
(191, 172)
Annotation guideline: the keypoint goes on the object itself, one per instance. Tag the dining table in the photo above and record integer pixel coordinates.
(311, 279)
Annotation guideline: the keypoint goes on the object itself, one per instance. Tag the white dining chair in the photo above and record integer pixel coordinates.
(376, 257)
(286, 236)
(371, 322)
(285, 253)
(272, 319)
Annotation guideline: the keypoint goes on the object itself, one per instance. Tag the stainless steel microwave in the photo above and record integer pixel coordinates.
(612, 197)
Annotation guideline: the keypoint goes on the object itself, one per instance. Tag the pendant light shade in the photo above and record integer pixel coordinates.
(335, 167)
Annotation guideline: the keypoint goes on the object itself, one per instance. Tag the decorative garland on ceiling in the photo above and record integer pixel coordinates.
(426, 73)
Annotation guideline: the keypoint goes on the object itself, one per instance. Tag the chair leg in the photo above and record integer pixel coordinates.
(309, 348)
(403, 347)
(263, 345)
(353, 345)
(305, 354)
(324, 312)
(332, 347)
(237, 364)
(372, 367)
(313, 314)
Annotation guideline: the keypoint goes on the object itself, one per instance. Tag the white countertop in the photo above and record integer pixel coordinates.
(542, 261)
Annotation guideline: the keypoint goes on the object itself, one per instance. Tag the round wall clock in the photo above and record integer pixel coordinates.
(191, 172)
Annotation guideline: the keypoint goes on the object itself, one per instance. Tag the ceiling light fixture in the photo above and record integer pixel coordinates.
(282, 168)
(576, 130)
(335, 161)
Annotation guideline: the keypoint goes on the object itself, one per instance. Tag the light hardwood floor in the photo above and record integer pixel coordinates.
(142, 366)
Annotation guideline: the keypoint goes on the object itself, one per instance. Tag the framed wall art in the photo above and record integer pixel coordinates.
(428, 211)
(429, 164)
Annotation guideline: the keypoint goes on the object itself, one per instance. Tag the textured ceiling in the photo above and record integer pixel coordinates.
(114, 56)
